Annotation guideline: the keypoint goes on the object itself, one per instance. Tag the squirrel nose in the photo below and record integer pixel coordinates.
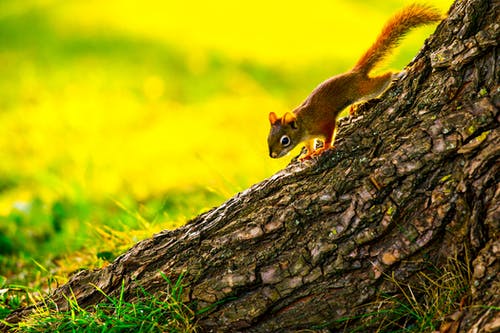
(273, 154)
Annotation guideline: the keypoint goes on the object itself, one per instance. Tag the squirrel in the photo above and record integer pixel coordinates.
(316, 117)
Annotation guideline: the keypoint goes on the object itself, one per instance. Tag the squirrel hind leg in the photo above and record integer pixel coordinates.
(329, 141)
(375, 86)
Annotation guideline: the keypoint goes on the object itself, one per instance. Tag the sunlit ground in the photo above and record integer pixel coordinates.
(126, 116)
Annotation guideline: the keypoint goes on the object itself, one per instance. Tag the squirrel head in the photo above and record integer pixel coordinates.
(284, 135)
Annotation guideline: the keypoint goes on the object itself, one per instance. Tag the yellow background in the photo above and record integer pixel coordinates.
(135, 101)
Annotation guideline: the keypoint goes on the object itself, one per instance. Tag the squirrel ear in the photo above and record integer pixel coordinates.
(273, 118)
(289, 119)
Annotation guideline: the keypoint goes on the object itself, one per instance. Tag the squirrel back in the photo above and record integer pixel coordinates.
(394, 30)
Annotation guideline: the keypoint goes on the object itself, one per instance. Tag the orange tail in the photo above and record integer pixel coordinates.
(393, 31)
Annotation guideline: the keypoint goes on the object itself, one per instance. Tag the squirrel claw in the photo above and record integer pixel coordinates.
(321, 150)
(315, 153)
(306, 157)
(353, 111)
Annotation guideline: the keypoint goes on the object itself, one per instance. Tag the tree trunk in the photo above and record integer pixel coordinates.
(412, 182)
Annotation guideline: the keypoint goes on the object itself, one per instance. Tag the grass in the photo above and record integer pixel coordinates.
(162, 312)
(435, 298)
(120, 120)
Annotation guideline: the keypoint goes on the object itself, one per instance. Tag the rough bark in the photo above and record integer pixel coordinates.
(413, 181)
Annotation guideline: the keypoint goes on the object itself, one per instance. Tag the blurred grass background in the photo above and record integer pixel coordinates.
(120, 118)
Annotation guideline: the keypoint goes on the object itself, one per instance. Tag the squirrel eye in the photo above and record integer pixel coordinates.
(285, 140)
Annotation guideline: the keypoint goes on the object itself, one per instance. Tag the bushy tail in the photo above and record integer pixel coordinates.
(393, 31)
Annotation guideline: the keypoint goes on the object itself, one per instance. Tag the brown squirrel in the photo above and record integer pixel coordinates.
(316, 116)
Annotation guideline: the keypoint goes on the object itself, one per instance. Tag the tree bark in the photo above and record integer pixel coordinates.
(413, 181)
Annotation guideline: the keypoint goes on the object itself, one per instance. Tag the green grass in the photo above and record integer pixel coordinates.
(162, 312)
(423, 304)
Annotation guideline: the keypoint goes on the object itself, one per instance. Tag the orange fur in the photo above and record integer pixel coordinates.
(316, 116)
